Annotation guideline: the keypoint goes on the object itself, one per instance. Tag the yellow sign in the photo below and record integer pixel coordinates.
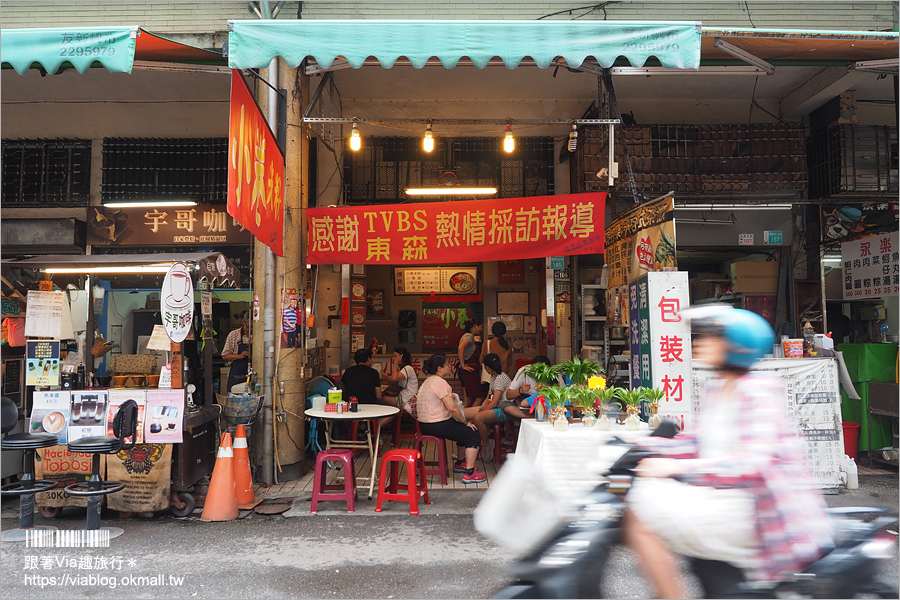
(641, 241)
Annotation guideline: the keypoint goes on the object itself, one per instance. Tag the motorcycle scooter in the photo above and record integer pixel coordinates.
(570, 556)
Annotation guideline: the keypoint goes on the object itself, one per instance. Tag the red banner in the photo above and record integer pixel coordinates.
(255, 170)
(457, 232)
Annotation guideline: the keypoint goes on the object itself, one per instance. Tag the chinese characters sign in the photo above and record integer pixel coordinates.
(443, 325)
(255, 170)
(641, 241)
(183, 225)
(661, 341)
(871, 267)
(467, 231)
(177, 302)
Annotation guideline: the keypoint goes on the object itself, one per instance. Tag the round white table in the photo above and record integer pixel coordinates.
(366, 412)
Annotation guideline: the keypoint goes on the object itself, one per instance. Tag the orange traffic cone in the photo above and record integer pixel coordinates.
(221, 499)
(243, 479)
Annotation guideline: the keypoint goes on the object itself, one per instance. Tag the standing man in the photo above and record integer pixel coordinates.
(237, 350)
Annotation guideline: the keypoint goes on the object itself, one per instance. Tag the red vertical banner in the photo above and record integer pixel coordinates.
(255, 170)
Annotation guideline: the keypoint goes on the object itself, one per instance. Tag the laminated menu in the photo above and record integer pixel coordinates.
(50, 414)
(87, 417)
(116, 398)
(164, 417)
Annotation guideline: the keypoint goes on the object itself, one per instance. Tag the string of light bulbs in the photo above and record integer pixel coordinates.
(509, 141)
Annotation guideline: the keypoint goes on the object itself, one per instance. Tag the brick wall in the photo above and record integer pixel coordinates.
(210, 17)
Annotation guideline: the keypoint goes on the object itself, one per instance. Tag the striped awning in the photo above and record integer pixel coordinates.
(253, 44)
(81, 48)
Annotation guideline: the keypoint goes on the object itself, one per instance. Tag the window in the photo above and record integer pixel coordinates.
(161, 169)
(46, 173)
(382, 170)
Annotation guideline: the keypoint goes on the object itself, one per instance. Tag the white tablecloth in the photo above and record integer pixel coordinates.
(571, 461)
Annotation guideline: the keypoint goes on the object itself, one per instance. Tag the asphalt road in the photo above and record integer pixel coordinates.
(435, 555)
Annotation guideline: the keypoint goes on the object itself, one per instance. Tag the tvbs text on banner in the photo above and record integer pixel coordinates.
(255, 170)
(641, 241)
(456, 232)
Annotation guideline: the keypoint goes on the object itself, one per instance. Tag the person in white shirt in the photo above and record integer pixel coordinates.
(485, 414)
(515, 404)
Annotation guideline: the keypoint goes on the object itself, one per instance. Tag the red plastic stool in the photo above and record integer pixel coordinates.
(399, 434)
(440, 463)
(416, 486)
(326, 491)
(499, 449)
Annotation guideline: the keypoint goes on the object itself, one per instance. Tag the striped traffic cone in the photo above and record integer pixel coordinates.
(243, 479)
(221, 499)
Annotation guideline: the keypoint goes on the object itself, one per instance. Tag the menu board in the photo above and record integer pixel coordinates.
(43, 362)
(871, 267)
(813, 402)
(420, 281)
(44, 314)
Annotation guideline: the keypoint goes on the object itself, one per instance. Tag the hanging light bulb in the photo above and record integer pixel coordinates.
(355, 139)
(509, 142)
(428, 140)
(573, 138)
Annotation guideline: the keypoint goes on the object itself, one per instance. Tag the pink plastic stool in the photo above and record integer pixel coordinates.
(507, 435)
(438, 466)
(416, 485)
(327, 491)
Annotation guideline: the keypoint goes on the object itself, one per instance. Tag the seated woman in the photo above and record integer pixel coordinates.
(403, 382)
(438, 415)
(489, 412)
(515, 402)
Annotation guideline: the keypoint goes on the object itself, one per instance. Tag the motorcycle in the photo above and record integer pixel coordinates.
(568, 552)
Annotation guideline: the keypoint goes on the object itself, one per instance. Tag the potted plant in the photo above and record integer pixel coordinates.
(557, 397)
(580, 370)
(653, 396)
(586, 399)
(632, 401)
(544, 375)
(604, 397)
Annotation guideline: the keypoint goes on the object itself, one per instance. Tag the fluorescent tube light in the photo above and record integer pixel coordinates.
(451, 191)
(110, 270)
(150, 204)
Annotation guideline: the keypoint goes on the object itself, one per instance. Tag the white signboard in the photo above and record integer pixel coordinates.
(813, 402)
(670, 344)
(88, 414)
(44, 314)
(871, 267)
(50, 414)
(177, 302)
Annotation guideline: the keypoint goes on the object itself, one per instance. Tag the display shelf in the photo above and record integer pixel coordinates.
(594, 334)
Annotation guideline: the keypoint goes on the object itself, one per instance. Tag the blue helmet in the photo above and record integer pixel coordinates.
(748, 335)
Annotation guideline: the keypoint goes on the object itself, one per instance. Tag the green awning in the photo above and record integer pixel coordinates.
(253, 44)
(114, 48)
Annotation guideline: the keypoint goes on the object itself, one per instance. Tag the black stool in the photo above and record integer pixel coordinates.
(27, 486)
(124, 426)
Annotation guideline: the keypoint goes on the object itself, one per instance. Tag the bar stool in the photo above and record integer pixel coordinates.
(507, 436)
(415, 486)
(326, 491)
(124, 426)
(27, 486)
(400, 434)
(438, 466)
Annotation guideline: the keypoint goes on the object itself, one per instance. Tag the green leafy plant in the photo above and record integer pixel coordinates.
(543, 374)
(654, 395)
(606, 395)
(630, 397)
(557, 396)
(580, 370)
(584, 398)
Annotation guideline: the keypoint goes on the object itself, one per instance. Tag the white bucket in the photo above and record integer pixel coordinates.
(318, 402)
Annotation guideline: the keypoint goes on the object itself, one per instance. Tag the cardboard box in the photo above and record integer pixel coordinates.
(752, 277)
(708, 285)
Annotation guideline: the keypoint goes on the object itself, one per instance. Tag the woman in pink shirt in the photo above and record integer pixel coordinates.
(439, 415)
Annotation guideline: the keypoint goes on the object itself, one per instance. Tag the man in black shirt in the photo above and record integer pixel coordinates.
(361, 380)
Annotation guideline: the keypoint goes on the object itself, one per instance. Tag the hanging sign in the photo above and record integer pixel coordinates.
(640, 241)
(871, 267)
(177, 302)
(465, 231)
(255, 170)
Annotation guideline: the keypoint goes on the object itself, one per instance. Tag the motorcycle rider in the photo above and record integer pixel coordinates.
(742, 494)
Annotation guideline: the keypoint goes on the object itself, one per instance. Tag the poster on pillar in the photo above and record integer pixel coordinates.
(255, 170)
(290, 318)
(458, 232)
(661, 341)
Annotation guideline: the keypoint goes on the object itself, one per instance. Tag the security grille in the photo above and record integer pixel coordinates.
(384, 167)
(46, 173)
(165, 169)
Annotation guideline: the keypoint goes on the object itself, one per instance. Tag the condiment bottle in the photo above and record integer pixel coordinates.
(354, 404)
(809, 340)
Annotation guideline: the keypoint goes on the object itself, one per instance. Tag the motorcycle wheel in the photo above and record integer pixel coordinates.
(882, 589)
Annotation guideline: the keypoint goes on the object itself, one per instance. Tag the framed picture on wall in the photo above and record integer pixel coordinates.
(512, 303)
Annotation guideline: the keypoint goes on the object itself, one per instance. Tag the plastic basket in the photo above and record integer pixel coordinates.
(240, 409)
